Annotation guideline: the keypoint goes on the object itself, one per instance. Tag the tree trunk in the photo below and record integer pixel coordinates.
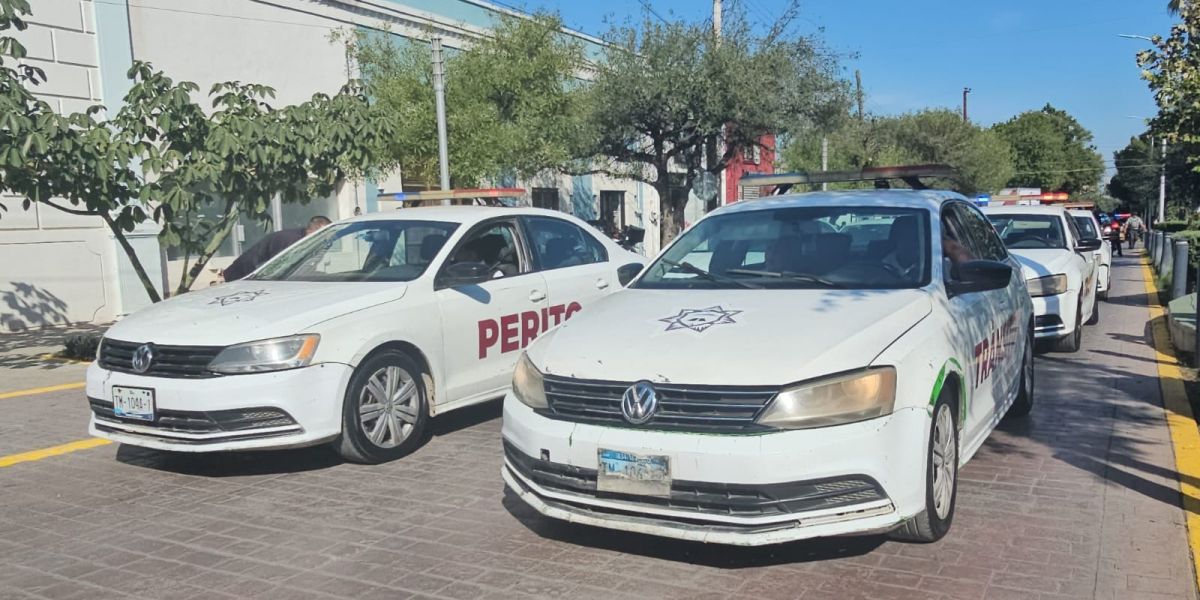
(671, 214)
(151, 291)
(189, 276)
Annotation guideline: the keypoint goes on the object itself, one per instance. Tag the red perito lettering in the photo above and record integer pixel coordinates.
(529, 327)
(545, 320)
(508, 328)
(556, 311)
(572, 308)
(489, 334)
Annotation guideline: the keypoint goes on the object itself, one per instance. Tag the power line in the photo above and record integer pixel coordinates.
(646, 4)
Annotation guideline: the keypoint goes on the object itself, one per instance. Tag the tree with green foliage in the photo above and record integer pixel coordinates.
(1052, 151)
(1172, 71)
(1136, 182)
(983, 160)
(161, 157)
(673, 100)
(511, 99)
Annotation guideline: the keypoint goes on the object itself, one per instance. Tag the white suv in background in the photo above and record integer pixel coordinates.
(356, 335)
(792, 367)
(1059, 267)
(1089, 227)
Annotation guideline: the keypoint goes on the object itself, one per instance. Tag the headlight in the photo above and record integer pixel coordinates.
(266, 355)
(528, 385)
(1051, 285)
(837, 400)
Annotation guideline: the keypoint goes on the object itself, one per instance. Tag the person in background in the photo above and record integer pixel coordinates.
(266, 248)
(1133, 230)
(1114, 234)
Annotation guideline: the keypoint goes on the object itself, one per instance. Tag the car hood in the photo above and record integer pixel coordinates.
(729, 337)
(243, 311)
(1042, 262)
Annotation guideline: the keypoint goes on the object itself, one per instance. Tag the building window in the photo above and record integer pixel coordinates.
(545, 198)
(612, 210)
(752, 154)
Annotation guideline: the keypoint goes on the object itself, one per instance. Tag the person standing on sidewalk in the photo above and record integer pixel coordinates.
(1114, 237)
(1133, 230)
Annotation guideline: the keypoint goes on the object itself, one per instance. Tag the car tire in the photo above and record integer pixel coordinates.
(1095, 318)
(1023, 404)
(392, 387)
(941, 477)
(1072, 342)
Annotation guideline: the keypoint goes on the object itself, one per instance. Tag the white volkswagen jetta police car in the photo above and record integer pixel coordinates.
(792, 367)
(356, 335)
(1089, 227)
(1058, 266)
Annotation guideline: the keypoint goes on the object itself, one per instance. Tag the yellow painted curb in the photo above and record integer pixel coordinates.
(12, 459)
(41, 390)
(1184, 433)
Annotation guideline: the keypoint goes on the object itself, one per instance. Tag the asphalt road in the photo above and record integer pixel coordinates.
(1079, 500)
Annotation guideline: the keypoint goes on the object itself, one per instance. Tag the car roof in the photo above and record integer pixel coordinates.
(930, 200)
(1035, 209)
(455, 214)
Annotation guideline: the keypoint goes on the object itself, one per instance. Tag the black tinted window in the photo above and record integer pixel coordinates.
(558, 244)
(981, 234)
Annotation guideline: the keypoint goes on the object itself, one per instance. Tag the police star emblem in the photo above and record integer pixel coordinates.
(700, 319)
(236, 297)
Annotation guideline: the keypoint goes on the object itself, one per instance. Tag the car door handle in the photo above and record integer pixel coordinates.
(601, 283)
(537, 296)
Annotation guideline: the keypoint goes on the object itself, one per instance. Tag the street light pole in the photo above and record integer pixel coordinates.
(1162, 184)
(439, 95)
(966, 91)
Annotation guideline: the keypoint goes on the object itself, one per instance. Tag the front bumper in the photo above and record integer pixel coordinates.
(284, 409)
(1054, 316)
(887, 454)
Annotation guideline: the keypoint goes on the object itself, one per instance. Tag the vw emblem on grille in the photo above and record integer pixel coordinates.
(142, 358)
(639, 403)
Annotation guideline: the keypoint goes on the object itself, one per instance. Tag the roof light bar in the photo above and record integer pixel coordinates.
(464, 194)
(910, 174)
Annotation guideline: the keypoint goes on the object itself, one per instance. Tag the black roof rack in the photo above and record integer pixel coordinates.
(909, 174)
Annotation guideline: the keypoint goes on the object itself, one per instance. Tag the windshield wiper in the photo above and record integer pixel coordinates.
(688, 267)
(787, 275)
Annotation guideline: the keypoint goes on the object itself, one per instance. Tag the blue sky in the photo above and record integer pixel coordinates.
(1015, 55)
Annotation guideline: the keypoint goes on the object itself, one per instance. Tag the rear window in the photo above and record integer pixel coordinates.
(1030, 232)
(1087, 227)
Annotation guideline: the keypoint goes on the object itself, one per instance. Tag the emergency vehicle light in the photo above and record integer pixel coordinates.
(454, 194)
(910, 174)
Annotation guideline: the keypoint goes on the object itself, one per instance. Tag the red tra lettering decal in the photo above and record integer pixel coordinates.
(517, 330)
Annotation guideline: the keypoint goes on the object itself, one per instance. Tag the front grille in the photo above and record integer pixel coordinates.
(1047, 322)
(698, 408)
(706, 498)
(210, 421)
(169, 361)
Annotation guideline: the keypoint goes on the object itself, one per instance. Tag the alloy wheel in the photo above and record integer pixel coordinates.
(388, 405)
(945, 459)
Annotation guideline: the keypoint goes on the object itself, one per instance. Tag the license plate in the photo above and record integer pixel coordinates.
(628, 473)
(133, 403)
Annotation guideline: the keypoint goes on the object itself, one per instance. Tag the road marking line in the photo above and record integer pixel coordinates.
(41, 390)
(1185, 435)
(12, 459)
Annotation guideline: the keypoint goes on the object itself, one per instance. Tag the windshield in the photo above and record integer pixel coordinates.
(1087, 227)
(1030, 231)
(392, 250)
(798, 248)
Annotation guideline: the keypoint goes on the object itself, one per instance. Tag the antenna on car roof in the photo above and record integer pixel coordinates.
(882, 176)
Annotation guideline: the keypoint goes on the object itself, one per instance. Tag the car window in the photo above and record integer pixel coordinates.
(1075, 234)
(495, 246)
(798, 247)
(557, 244)
(1087, 227)
(381, 250)
(956, 245)
(980, 233)
(1030, 231)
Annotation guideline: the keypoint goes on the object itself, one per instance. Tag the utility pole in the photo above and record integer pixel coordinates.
(717, 145)
(858, 93)
(1162, 185)
(966, 91)
(717, 18)
(824, 159)
(439, 94)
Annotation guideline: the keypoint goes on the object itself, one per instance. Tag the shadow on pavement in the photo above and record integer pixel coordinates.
(273, 462)
(709, 555)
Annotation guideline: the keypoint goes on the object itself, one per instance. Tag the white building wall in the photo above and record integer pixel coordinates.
(58, 268)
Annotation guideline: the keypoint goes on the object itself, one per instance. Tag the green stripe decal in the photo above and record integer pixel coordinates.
(941, 381)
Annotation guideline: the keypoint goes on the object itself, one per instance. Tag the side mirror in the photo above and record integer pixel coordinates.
(1088, 245)
(464, 273)
(980, 276)
(626, 273)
